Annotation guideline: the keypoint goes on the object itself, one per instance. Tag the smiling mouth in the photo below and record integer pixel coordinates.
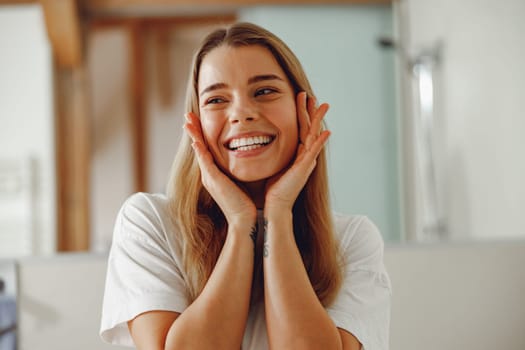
(249, 143)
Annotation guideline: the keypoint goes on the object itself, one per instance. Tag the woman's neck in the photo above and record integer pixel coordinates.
(256, 191)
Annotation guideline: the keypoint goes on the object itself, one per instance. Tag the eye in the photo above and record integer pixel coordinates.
(215, 100)
(265, 91)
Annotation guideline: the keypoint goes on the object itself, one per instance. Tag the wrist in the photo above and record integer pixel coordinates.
(243, 218)
(278, 211)
(241, 224)
(278, 218)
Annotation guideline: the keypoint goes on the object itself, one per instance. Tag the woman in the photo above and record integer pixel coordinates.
(244, 251)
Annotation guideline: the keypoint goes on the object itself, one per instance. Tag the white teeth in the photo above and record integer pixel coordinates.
(248, 148)
(249, 143)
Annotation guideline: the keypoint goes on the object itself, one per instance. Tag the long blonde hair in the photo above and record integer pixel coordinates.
(201, 224)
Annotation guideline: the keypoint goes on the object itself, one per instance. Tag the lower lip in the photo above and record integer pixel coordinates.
(252, 152)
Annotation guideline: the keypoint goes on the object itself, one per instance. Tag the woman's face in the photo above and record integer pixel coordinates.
(247, 111)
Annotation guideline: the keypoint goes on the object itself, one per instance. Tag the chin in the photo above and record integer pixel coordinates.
(249, 178)
(254, 174)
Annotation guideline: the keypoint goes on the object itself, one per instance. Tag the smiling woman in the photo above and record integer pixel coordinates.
(250, 97)
(244, 250)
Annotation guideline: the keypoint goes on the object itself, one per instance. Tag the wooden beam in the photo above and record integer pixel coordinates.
(101, 23)
(137, 29)
(101, 5)
(73, 153)
(113, 4)
(17, 2)
(139, 130)
(187, 7)
(163, 66)
(64, 31)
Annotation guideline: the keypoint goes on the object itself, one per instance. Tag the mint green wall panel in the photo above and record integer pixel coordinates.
(338, 48)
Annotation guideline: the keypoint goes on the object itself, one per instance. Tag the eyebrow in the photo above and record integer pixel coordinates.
(252, 80)
(263, 77)
(213, 87)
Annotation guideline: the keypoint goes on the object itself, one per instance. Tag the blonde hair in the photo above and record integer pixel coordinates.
(201, 224)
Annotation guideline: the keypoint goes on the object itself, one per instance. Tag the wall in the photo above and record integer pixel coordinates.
(364, 174)
(60, 301)
(363, 148)
(481, 121)
(338, 48)
(445, 296)
(112, 180)
(457, 296)
(111, 158)
(27, 157)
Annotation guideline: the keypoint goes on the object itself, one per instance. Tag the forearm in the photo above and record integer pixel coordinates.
(217, 318)
(294, 315)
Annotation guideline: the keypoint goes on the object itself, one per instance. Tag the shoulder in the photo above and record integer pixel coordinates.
(145, 231)
(360, 241)
(152, 205)
(144, 213)
(146, 202)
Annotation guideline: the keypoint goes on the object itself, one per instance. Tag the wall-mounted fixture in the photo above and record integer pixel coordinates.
(8, 305)
(420, 75)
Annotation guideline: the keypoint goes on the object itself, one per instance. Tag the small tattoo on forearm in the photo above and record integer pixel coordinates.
(253, 234)
(265, 236)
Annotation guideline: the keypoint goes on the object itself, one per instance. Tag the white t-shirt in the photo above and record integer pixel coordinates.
(145, 273)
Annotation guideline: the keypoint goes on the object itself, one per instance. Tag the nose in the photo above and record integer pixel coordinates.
(241, 118)
(242, 111)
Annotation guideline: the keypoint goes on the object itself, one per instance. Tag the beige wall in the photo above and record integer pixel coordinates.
(454, 297)
(112, 180)
(27, 152)
(457, 296)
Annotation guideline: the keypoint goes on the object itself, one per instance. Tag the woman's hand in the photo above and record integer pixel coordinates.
(283, 188)
(235, 204)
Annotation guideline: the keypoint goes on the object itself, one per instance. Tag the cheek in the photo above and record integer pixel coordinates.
(291, 122)
(284, 114)
(210, 130)
(290, 129)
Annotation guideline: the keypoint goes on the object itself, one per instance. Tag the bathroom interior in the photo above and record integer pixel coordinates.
(427, 102)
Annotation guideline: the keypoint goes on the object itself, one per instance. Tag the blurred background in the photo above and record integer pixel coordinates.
(427, 102)
(426, 110)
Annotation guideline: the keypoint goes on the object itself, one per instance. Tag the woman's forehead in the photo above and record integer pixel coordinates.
(226, 63)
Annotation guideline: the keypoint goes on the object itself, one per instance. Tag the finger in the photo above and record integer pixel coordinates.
(193, 133)
(303, 116)
(317, 118)
(209, 171)
(192, 119)
(316, 124)
(306, 161)
(312, 105)
(308, 158)
(193, 128)
(204, 157)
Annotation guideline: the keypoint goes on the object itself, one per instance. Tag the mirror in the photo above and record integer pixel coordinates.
(464, 183)
(346, 67)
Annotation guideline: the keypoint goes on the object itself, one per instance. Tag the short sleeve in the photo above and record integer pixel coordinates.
(362, 306)
(143, 273)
